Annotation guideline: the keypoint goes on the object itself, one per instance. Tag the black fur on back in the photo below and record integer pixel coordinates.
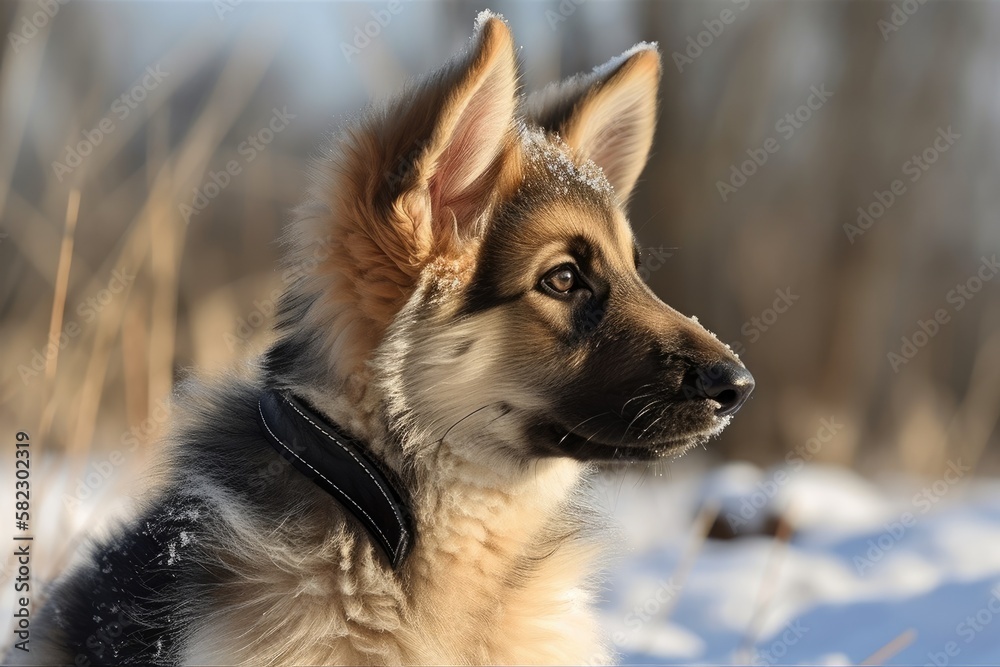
(134, 598)
(113, 610)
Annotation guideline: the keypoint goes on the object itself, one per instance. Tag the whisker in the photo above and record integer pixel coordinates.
(651, 425)
(441, 440)
(569, 431)
(649, 406)
(638, 396)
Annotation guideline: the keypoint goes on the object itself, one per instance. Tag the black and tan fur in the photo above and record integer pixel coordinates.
(435, 329)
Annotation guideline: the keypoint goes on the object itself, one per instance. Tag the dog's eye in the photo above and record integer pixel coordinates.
(560, 280)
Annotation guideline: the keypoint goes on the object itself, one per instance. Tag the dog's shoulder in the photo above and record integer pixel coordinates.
(137, 593)
(123, 603)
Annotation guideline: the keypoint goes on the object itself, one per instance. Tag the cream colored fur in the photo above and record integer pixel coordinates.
(506, 557)
(502, 573)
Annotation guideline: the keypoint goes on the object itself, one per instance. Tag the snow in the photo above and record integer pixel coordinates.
(911, 563)
(904, 568)
(552, 153)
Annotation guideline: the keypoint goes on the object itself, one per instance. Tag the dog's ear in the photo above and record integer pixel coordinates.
(448, 141)
(410, 181)
(607, 115)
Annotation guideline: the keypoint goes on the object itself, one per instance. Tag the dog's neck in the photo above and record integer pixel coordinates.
(357, 405)
(339, 465)
(459, 503)
(487, 541)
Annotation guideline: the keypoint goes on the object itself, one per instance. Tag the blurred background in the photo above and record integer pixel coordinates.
(824, 194)
(90, 137)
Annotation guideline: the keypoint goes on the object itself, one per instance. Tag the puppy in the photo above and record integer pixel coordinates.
(396, 480)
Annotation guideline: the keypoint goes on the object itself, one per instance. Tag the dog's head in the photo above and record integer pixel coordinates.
(483, 275)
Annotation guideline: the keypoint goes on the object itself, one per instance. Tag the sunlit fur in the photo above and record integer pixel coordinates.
(424, 330)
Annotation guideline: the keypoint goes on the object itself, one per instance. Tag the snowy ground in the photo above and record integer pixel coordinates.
(905, 572)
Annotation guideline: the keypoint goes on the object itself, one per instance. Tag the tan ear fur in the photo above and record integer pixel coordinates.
(443, 141)
(475, 122)
(403, 184)
(608, 115)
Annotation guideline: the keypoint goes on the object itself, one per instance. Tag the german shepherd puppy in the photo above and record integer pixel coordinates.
(397, 479)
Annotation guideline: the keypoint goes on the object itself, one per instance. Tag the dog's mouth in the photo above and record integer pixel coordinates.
(557, 440)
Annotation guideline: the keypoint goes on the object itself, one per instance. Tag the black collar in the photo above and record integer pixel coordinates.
(336, 463)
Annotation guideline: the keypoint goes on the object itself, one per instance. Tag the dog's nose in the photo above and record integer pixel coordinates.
(727, 384)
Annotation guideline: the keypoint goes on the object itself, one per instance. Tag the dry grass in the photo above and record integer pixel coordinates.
(194, 283)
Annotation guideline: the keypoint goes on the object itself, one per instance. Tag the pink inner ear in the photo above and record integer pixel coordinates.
(619, 141)
(617, 134)
(475, 139)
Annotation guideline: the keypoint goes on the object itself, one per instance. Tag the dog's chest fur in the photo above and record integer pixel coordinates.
(488, 566)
